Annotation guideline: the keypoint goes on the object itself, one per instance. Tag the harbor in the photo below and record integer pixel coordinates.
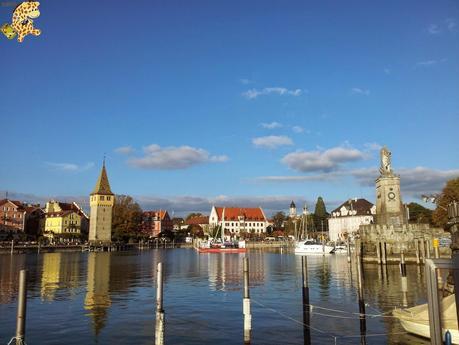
(109, 297)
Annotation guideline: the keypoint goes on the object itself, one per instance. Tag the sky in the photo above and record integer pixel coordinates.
(241, 103)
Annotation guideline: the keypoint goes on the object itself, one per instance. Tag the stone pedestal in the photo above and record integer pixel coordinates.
(389, 207)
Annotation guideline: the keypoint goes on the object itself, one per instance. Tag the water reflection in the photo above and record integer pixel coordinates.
(97, 300)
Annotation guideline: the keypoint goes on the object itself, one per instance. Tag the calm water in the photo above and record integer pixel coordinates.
(109, 298)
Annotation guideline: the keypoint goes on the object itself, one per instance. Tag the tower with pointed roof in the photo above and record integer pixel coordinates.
(292, 212)
(101, 201)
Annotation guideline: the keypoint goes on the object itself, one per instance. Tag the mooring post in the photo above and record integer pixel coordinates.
(348, 250)
(246, 303)
(423, 251)
(306, 307)
(22, 304)
(378, 252)
(402, 264)
(12, 246)
(383, 253)
(363, 322)
(428, 245)
(159, 331)
(448, 338)
(416, 243)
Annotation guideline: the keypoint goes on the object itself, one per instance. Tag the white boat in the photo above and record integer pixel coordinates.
(340, 249)
(312, 247)
(415, 320)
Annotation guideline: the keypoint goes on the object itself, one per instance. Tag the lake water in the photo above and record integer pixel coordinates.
(109, 298)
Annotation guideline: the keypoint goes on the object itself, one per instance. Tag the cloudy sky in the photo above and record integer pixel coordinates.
(231, 102)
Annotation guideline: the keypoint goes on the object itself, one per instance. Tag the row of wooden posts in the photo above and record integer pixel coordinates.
(422, 248)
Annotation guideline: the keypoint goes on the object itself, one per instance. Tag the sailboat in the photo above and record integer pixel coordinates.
(415, 320)
(306, 246)
(218, 245)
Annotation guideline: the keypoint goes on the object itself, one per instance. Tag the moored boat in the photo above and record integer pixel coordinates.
(210, 246)
(415, 320)
(312, 247)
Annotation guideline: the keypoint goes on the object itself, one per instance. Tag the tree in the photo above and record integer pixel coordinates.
(127, 217)
(195, 230)
(320, 215)
(419, 214)
(278, 220)
(193, 214)
(450, 193)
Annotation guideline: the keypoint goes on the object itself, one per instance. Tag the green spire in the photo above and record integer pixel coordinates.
(102, 185)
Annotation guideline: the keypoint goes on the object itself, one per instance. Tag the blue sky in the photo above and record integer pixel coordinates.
(231, 101)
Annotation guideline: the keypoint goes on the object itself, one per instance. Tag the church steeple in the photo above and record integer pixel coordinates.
(102, 186)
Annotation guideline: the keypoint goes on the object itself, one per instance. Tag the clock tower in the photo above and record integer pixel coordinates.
(389, 206)
(101, 201)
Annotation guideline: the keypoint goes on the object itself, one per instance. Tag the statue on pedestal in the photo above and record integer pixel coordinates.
(386, 166)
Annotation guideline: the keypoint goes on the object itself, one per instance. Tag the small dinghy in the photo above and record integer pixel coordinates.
(415, 320)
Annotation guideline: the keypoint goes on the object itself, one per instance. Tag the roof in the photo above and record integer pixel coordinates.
(102, 185)
(62, 213)
(155, 213)
(66, 207)
(198, 220)
(292, 204)
(233, 213)
(17, 203)
(361, 206)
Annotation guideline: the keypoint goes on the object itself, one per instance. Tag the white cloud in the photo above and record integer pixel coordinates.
(254, 93)
(433, 29)
(428, 63)
(359, 91)
(451, 24)
(70, 167)
(169, 158)
(322, 160)
(271, 125)
(298, 129)
(125, 150)
(272, 141)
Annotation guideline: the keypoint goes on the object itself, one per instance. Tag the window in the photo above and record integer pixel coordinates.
(102, 198)
(108, 198)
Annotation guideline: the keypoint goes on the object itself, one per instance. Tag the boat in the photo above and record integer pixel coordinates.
(211, 246)
(340, 249)
(313, 247)
(415, 320)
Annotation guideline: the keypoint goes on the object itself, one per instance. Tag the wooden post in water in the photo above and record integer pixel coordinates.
(383, 253)
(423, 251)
(246, 302)
(363, 322)
(402, 264)
(159, 330)
(22, 303)
(378, 251)
(12, 246)
(348, 250)
(306, 307)
(428, 249)
(416, 243)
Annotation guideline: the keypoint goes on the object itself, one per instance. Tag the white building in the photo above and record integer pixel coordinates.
(347, 218)
(237, 219)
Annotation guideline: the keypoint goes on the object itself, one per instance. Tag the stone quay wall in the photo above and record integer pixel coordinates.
(401, 237)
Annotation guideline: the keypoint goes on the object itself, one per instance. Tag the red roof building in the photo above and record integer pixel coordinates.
(239, 219)
(16, 216)
(156, 222)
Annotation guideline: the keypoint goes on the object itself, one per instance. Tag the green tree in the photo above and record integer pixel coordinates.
(419, 214)
(127, 217)
(278, 220)
(450, 193)
(320, 215)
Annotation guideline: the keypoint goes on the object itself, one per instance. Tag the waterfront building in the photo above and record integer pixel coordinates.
(101, 201)
(346, 219)
(64, 220)
(201, 221)
(156, 222)
(239, 219)
(19, 218)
